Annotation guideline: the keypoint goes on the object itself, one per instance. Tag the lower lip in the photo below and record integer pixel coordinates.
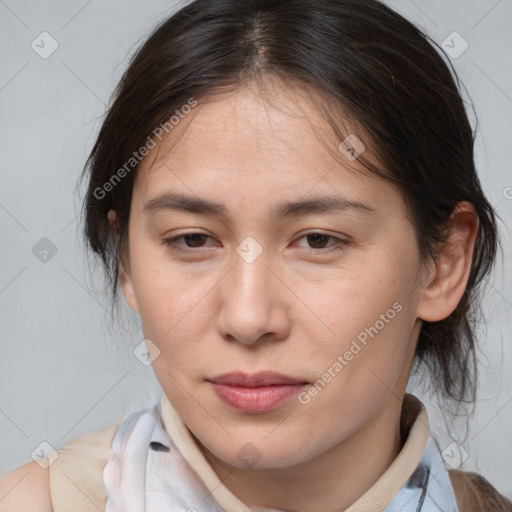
(256, 400)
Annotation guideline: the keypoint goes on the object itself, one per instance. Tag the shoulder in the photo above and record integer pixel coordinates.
(76, 476)
(474, 493)
(72, 482)
(26, 488)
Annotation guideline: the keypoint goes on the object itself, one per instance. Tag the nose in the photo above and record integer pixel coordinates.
(255, 303)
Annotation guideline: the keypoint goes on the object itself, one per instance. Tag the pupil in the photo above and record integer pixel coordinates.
(196, 237)
(317, 239)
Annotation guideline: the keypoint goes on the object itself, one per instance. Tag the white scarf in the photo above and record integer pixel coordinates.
(156, 466)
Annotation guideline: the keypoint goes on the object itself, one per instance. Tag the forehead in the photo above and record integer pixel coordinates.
(261, 144)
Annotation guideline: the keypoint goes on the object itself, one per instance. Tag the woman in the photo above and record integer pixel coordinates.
(286, 193)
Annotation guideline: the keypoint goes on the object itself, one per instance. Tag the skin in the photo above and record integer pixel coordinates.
(294, 309)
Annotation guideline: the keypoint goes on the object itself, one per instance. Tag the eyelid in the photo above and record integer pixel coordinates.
(329, 235)
(169, 241)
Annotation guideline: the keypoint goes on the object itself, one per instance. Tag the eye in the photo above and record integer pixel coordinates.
(195, 240)
(319, 240)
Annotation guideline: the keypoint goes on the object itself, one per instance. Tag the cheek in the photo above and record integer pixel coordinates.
(367, 321)
(365, 348)
(350, 303)
(169, 311)
(166, 293)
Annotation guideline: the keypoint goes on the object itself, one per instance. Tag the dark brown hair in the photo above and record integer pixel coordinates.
(379, 68)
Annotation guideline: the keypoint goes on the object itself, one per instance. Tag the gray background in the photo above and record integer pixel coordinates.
(63, 371)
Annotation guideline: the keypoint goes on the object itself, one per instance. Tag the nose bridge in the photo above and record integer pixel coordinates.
(252, 303)
(251, 278)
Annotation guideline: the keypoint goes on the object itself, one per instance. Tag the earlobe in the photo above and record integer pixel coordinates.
(125, 278)
(444, 287)
(112, 220)
(127, 285)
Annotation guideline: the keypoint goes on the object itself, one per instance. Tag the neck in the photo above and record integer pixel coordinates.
(330, 482)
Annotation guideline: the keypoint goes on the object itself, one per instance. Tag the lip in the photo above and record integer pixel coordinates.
(257, 393)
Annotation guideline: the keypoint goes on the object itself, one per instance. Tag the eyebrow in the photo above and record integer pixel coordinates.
(318, 204)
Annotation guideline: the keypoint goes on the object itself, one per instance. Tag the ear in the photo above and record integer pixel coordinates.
(125, 277)
(449, 274)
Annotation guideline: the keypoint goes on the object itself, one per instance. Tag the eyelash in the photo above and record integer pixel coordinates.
(170, 241)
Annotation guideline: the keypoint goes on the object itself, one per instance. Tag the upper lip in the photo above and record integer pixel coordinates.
(254, 380)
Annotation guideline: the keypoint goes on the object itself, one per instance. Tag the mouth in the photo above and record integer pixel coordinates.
(257, 393)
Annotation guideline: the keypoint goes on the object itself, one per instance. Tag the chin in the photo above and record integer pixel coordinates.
(261, 455)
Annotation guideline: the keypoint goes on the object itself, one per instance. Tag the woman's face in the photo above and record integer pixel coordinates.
(269, 280)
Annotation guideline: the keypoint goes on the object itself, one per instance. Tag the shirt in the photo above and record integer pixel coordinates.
(149, 462)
